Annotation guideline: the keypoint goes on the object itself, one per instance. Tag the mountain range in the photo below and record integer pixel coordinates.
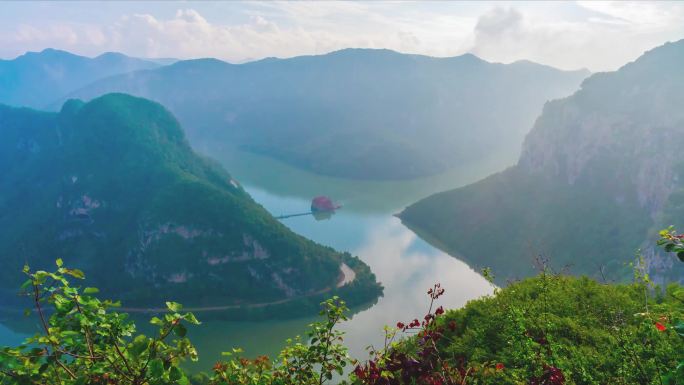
(355, 113)
(600, 173)
(38, 79)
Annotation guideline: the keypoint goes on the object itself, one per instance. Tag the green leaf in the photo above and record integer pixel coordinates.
(175, 374)
(174, 306)
(191, 319)
(138, 346)
(26, 284)
(156, 321)
(59, 262)
(76, 273)
(91, 290)
(40, 276)
(156, 368)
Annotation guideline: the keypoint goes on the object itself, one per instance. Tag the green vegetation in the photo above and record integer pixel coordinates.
(600, 173)
(593, 333)
(546, 330)
(84, 342)
(507, 219)
(356, 113)
(114, 186)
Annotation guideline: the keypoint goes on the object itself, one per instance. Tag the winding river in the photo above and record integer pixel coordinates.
(406, 265)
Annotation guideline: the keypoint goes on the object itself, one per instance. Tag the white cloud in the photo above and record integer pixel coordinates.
(642, 15)
(406, 270)
(610, 36)
(597, 35)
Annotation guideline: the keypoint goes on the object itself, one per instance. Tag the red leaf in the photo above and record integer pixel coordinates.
(660, 326)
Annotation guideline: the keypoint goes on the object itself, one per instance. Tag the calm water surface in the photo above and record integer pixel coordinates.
(405, 265)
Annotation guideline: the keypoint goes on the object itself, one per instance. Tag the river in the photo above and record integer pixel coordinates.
(406, 265)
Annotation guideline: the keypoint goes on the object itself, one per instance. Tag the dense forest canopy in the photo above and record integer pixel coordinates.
(113, 186)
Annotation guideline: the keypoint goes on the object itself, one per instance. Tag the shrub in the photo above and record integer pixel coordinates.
(545, 330)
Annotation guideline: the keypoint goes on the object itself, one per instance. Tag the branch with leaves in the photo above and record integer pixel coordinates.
(85, 341)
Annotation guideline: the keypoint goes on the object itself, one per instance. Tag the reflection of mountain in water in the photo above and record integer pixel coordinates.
(403, 263)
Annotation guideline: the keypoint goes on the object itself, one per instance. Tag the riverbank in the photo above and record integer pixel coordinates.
(347, 276)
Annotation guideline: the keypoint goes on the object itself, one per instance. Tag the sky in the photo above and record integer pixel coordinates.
(599, 36)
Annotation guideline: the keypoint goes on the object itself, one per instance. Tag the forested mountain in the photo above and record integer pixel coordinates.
(113, 187)
(600, 171)
(357, 113)
(37, 79)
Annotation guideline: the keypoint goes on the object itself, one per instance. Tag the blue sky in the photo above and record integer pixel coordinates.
(568, 35)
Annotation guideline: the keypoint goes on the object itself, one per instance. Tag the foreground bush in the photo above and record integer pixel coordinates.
(555, 330)
(84, 342)
(546, 330)
(550, 330)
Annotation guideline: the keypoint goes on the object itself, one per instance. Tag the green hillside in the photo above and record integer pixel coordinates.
(599, 173)
(356, 113)
(112, 186)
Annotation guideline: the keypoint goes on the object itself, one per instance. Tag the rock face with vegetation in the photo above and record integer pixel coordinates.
(113, 187)
(37, 79)
(601, 167)
(358, 113)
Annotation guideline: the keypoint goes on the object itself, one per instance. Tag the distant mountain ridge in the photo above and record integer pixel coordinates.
(356, 113)
(113, 187)
(599, 174)
(37, 79)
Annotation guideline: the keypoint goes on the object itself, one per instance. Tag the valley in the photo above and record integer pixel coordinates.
(404, 264)
(341, 193)
(355, 113)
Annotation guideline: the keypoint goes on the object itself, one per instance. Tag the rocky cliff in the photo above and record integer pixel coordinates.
(595, 179)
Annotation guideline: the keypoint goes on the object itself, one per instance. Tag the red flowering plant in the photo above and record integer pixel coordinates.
(672, 242)
(421, 359)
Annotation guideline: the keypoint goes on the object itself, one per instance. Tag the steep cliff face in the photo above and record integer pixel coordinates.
(113, 187)
(611, 151)
(634, 114)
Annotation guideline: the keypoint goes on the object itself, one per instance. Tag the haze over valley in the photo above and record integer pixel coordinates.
(299, 175)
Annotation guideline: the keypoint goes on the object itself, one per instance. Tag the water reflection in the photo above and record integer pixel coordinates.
(407, 267)
(405, 264)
